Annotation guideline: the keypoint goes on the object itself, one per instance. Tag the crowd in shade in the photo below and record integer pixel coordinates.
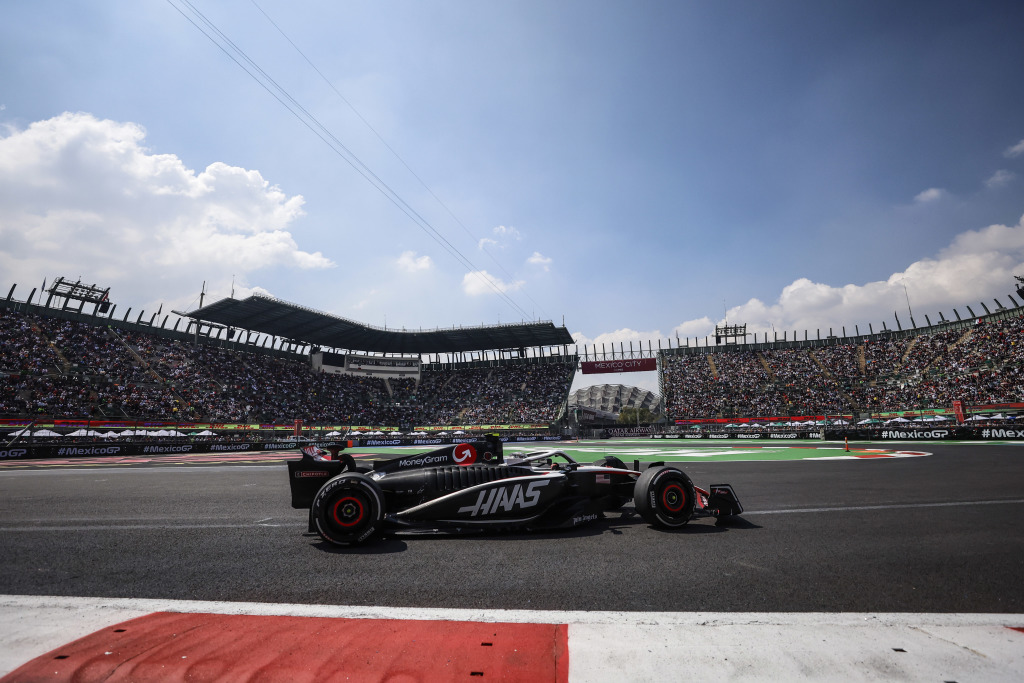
(61, 368)
(979, 365)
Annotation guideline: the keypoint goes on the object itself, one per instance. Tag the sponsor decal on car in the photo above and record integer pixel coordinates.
(302, 474)
(581, 519)
(464, 454)
(423, 460)
(507, 498)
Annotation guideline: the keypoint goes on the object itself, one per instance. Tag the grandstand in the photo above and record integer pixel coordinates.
(60, 362)
(259, 362)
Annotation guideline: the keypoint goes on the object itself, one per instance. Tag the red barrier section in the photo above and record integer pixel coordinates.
(167, 646)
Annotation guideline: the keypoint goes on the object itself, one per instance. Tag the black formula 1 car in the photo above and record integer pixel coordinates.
(471, 487)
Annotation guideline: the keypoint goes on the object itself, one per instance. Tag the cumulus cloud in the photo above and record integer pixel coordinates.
(478, 282)
(999, 179)
(930, 195)
(509, 231)
(411, 263)
(84, 196)
(1015, 150)
(502, 235)
(977, 265)
(539, 260)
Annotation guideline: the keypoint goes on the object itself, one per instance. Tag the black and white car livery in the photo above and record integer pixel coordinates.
(472, 487)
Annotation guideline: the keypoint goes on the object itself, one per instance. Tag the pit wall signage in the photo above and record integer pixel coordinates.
(90, 449)
(739, 435)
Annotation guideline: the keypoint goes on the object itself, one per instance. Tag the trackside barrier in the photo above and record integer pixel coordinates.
(93, 449)
(742, 436)
(884, 434)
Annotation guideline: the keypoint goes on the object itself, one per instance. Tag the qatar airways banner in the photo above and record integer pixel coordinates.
(622, 365)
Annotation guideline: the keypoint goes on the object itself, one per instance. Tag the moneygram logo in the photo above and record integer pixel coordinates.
(425, 460)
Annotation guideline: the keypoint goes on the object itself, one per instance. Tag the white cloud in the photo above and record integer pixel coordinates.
(538, 259)
(479, 282)
(409, 262)
(930, 195)
(83, 196)
(1015, 150)
(485, 242)
(978, 265)
(999, 179)
(509, 232)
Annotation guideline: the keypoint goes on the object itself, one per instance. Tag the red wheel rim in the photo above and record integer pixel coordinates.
(673, 497)
(347, 511)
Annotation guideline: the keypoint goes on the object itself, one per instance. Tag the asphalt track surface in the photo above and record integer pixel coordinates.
(943, 533)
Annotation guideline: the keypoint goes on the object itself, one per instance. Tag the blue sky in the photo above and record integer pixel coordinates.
(642, 169)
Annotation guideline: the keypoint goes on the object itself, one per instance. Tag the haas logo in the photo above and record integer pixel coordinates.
(464, 454)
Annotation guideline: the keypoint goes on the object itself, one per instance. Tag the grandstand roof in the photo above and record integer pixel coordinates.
(612, 398)
(298, 323)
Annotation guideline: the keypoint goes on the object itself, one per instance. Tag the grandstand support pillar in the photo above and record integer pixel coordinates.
(844, 331)
(987, 312)
(969, 310)
(898, 325)
(32, 294)
(11, 293)
(856, 329)
(871, 329)
(957, 313)
(126, 314)
(1012, 301)
(927, 320)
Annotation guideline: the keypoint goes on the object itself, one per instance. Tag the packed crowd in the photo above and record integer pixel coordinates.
(980, 366)
(62, 368)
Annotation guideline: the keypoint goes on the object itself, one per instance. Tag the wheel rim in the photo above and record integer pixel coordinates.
(673, 497)
(348, 511)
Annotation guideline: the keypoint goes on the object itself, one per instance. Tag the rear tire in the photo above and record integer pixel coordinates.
(348, 509)
(664, 497)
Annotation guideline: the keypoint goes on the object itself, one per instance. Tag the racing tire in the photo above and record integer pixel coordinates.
(348, 509)
(664, 497)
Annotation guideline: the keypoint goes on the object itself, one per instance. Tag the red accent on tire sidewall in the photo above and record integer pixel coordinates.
(464, 454)
(673, 486)
(339, 502)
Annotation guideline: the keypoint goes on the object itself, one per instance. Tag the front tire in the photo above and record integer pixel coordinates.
(348, 509)
(664, 497)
